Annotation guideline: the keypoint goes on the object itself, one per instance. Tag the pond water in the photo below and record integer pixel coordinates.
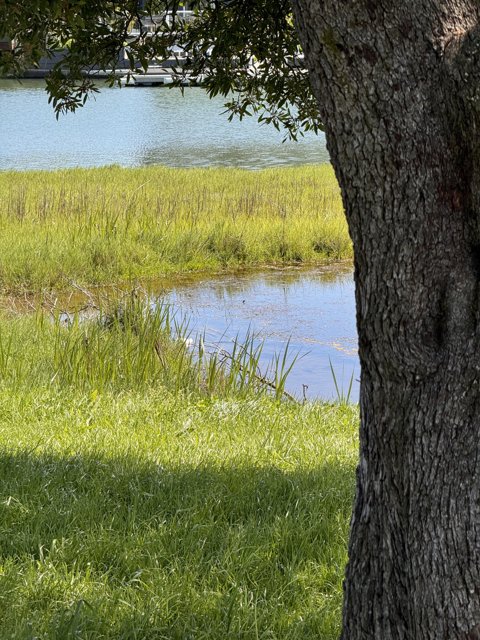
(313, 309)
(139, 126)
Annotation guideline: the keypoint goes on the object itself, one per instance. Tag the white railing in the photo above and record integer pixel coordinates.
(151, 23)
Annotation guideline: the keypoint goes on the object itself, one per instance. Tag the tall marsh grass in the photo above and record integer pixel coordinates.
(111, 224)
(132, 344)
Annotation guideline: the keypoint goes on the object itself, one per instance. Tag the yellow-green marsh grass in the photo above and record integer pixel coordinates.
(113, 224)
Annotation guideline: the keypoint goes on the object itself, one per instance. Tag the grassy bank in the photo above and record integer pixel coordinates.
(131, 344)
(147, 491)
(137, 502)
(112, 224)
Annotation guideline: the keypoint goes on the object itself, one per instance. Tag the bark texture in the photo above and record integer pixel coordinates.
(398, 86)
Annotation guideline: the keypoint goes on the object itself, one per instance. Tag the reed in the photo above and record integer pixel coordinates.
(112, 224)
(343, 396)
(131, 342)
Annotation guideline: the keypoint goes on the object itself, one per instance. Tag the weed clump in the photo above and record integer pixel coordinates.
(132, 343)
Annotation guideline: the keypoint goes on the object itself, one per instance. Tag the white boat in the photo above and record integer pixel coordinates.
(148, 79)
(157, 78)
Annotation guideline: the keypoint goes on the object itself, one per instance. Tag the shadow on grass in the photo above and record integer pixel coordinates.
(94, 547)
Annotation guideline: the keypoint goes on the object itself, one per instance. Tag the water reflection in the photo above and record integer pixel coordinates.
(315, 309)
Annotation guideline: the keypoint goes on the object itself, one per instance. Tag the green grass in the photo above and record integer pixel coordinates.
(112, 224)
(127, 344)
(148, 492)
(151, 515)
(138, 503)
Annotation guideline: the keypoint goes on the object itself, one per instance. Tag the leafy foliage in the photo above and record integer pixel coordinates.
(250, 49)
(245, 50)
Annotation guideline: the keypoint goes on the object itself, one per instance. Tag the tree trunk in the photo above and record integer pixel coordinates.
(398, 86)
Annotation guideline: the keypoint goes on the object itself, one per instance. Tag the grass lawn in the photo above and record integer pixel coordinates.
(146, 497)
(147, 515)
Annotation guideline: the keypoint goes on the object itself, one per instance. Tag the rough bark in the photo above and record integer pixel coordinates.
(398, 86)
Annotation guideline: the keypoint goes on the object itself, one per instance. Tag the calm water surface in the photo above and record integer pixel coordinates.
(139, 126)
(314, 309)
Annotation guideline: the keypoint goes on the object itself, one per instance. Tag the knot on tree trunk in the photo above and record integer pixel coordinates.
(474, 634)
(462, 56)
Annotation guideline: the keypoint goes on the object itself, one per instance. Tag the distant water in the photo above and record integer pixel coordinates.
(139, 126)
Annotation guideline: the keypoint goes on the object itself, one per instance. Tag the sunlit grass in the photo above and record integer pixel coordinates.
(149, 490)
(146, 497)
(112, 224)
(156, 515)
(132, 342)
